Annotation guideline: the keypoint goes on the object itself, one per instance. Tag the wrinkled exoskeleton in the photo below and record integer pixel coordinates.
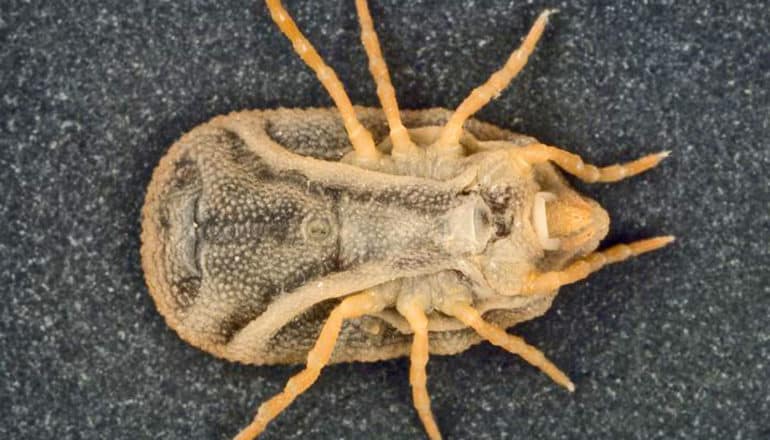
(365, 234)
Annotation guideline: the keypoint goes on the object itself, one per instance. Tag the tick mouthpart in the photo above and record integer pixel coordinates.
(568, 222)
(540, 221)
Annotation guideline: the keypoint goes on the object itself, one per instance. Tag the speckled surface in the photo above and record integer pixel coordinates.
(672, 345)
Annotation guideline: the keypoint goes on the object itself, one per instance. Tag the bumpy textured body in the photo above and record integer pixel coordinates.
(357, 234)
(225, 221)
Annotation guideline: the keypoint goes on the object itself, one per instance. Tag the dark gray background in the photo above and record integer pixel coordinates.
(671, 345)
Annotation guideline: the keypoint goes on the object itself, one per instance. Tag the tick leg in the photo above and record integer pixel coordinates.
(513, 344)
(317, 358)
(402, 144)
(450, 134)
(362, 140)
(580, 269)
(414, 312)
(573, 164)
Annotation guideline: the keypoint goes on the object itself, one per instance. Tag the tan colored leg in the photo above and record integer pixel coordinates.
(362, 140)
(514, 344)
(317, 358)
(414, 313)
(573, 164)
(450, 134)
(550, 281)
(402, 144)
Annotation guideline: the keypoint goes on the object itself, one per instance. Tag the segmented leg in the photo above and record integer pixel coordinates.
(402, 144)
(513, 344)
(414, 313)
(362, 140)
(573, 164)
(450, 134)
(317, 358)
(550, 281)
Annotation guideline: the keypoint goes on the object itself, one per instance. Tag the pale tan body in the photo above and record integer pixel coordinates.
(373, 345)
(399, 245)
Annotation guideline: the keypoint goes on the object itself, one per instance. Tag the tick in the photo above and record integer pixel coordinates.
(361, 234)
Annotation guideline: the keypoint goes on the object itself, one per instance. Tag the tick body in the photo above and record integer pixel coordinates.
(360, 234)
